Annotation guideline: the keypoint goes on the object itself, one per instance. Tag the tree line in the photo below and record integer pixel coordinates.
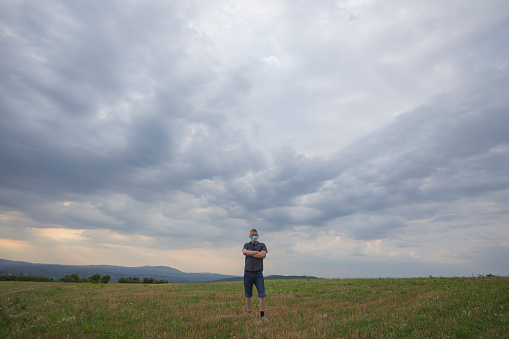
(136, 280)
(75, 278)
(25, 278)
(95, 279)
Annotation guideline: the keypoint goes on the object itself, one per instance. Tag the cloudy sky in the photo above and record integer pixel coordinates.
(361, 138)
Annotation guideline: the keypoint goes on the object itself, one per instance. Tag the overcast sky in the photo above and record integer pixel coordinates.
(361, 138)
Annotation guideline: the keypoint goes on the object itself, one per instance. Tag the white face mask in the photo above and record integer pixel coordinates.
(254, 238)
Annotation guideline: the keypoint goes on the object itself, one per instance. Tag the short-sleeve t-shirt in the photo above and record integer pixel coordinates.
(252, 263)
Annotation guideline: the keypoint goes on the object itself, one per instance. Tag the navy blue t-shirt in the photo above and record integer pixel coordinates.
(252, 263)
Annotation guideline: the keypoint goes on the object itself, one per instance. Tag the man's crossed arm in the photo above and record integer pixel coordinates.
(255, 254)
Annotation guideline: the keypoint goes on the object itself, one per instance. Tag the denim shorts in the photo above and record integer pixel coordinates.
(257, 280)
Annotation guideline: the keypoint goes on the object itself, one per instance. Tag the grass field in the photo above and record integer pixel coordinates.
(476, 307)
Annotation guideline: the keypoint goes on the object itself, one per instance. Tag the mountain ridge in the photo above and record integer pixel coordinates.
(57, 271)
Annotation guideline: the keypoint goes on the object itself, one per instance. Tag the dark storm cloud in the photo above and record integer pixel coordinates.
(70, 122)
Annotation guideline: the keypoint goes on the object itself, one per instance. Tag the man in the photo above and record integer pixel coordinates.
(255, 252)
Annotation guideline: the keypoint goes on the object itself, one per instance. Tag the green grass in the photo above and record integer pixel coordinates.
(352, 308)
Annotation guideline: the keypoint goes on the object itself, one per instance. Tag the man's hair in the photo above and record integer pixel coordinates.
(253, 230)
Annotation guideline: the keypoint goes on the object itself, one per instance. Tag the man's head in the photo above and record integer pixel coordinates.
(253, 233)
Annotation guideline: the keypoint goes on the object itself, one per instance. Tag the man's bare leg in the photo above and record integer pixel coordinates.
(262, 309)
(248, 305)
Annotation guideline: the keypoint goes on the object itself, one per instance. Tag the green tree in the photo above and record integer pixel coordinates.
(95, 278)
(148, 280)
(73, 278)
(105, 279)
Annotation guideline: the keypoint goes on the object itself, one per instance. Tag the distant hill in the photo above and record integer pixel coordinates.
(84, 271)
(157, 272)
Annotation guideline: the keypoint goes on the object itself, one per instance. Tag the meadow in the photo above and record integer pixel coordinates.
(475, 307)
